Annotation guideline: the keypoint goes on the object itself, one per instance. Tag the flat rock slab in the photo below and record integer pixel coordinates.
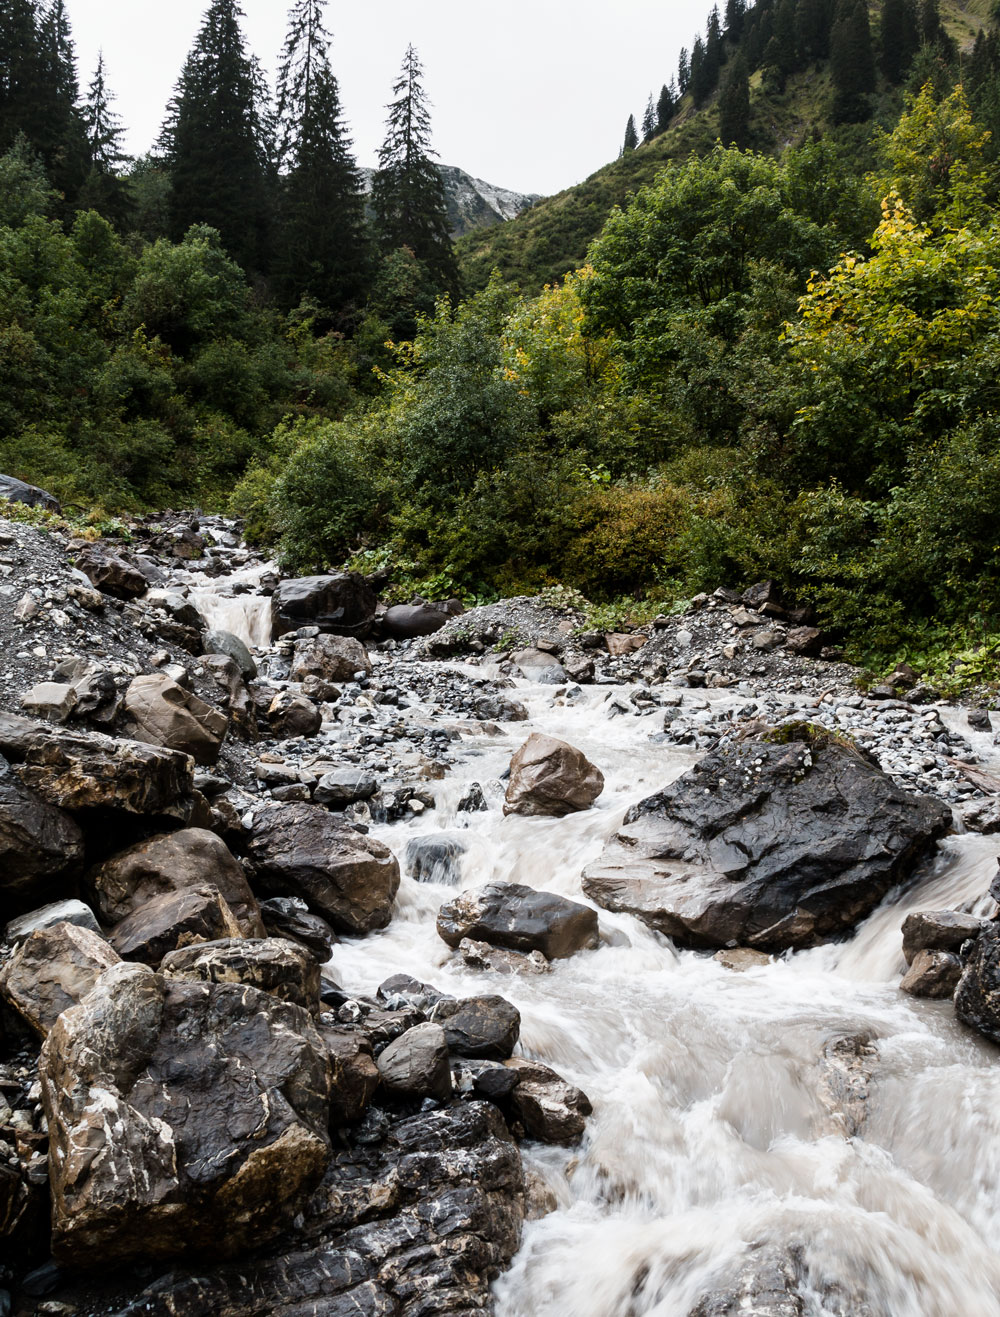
(519, 919)
(183, 1117)
(272, 964)
(766, 845)
(172, 920)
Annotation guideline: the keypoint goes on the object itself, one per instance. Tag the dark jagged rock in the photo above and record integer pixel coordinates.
(290, 715)
(343, 787)
(289, 917)
(343, 604)
(938, 930)
(416, 1063)
(271, 964)
(17, 491)
(408, 621)
(419, 1221)
(41, 847)
(766, 845)
(183, 1117)
(172, 920)
(486, 1028)
(550, 1109)
(977, 998)
(53, 969)
(520, 919)
(111, 573)
(354, 1074)
(343, 875)
(224, 642)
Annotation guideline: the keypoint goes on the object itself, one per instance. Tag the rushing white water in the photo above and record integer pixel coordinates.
(246, 615)
(713, 1130)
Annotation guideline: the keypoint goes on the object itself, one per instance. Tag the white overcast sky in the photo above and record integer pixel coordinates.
(531, 94)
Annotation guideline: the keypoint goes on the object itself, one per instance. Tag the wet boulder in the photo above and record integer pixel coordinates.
(497, 960)
(330, 658)
(550, 1109)
(486, 1028)
(53, 969)
(171, 920)
(345, 876)
(435, 858)
(225, 643)
(416, 1064)
(57, 912)
(519, 919)
(290, 715)
(271, 964)
(977, 998)
(41, 847)
(18, 491)
(289, 917)
(938, 930)
(341, 604)
(408, 621)
(172, 862)
(354, 1074)
(550, 777)
(183, 1118)
(539, 665)
(166, 714)
(344, 786)
(111, 573)
(766, 844)
(932, 974)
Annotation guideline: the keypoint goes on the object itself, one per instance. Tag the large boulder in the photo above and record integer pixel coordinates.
(483, 1027)
(182, 1117)
(346, 876)
(53, 969)
(172, 862)
(80, 771)
(416, 1064)
(329, 658)
(111, 573)
(172, 920)
(17, 491)
(520, 919)
(354, 1074)
(977, 997)
(342, 604)
(408, 621)
(271, 964)
(548, 776)
(290, 715)
(41, 848)
(767, 844)
(550, 1109)
(938, 930)
(166, 714)
(224, 642)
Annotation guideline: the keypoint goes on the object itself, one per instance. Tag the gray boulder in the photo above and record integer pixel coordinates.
(342, 604)
(766, 844)
(550, 777)
(290, 715)
(483, 1027)
(550, 1109)
(343, 787)
(408, 621)
(938, 930)
(435, 858)
(172, 920)
(53, 969)
(183, 1117)
(416, 1064)
(520, 919)
(17, 491)
(57, 912)
(538, 665)
(932, 974)
(344, 875)
(110, 573)
(166, 714)
(977, 998)
(271, 964)
(329, 658)
(224, 642)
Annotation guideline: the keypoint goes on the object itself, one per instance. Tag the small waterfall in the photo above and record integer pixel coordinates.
(245, 614)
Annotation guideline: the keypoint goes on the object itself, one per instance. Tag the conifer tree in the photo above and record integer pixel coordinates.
(408, 196)
(104, 190)
(20, 72)
(899, 38)
(683, 71)
(734, 106)
(930, 21)
(701, 83)
(324, 244)
(216, 141)
(665, 107)
(631, 136)
(852, 62)
(714, 53)
(649, 120)
(736, 11)
(813, 21)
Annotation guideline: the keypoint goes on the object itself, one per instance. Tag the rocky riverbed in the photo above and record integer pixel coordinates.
(366, 989)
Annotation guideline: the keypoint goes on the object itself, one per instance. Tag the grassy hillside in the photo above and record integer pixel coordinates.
(541, 245)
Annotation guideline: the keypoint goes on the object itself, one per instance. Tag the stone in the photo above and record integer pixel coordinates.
(435, 857)
(549, 777)
(171, 920)
(932, 974)
(550, 1109)
(173, 862)
(177, 606)
(330, 658)
(110, 573)
(354, 1074)
(938, 930)
(403, 992)
(289, 917)
(57, 912)
(579, 668)
(18, 491)
(482, 1027)
(766, 641)
(79, 771)
(538, 665)
(290, 715)
(768, 844)
(416, 1064)
(496, 960)
(343, 787)
(740, 959)
(182, 1117)
(979, 720)
(52, 969)
(344, 875)
(165, 714)
(621, 644)
(766, 1285)
(761, 593)
(519, 919)
(342, 604)
(808, 640)
(977, 998)
(408, 621)
(41, 847)
(224, 642)
(51, 700)
(271, 964)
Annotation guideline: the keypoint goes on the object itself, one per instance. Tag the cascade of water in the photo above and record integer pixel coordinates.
(242, 612)
(715, 1132)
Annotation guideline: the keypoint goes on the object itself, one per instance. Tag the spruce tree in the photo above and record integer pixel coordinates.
(852, 62)
(930, 21)
(701, 82)
(631, 136)
(714, 53)
(216, 141)
(734, 106)
(665, 107)
(20, 72)
(813, 21)
(323, 240)
(649, 120)
(408, 196)
(104, 190)
(62, 139)
(736, 11)
(899, 38)
(683, 71)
